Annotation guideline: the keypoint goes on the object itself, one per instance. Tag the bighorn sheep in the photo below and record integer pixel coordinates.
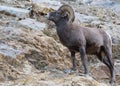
(90, 41)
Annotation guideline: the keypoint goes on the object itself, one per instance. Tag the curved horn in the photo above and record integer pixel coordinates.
(69, 9)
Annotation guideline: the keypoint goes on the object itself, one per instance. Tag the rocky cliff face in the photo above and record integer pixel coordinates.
(30, 51)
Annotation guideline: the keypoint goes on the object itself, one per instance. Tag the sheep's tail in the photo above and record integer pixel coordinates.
(110, 38)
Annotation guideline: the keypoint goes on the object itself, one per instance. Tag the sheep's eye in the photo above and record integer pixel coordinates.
(57, 13)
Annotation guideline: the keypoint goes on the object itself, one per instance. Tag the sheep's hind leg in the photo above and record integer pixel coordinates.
(108, 63)
(111, 65)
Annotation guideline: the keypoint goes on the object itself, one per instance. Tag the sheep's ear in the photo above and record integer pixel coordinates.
(65, 14)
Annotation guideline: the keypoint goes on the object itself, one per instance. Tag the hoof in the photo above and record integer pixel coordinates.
(73, 69)
(82, 74)
(68, 71)
(112, 83)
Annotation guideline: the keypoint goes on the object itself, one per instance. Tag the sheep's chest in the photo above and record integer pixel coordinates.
(71, 38)
(68, 39)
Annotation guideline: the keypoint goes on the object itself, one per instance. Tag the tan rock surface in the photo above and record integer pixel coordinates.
(31, 54)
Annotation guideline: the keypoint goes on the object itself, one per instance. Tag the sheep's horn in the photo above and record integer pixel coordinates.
(69, 9)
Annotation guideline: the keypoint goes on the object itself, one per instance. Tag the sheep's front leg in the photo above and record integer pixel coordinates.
(73, 63)
(83, 58)
(73, 60)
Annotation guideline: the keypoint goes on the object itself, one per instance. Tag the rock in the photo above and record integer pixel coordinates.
(19, 4)
(69, 80)
(34, 43)
(80, 81)
(47, 83)
(42, 7)
(96, 23)
(110, 4)
(44, 1)
(116, 51)
(20, 13)
(100, 72)
(9, 51)
(117, 71)
(84, 18)
(32, 24)
(52, 33)
(102, 3)
(113, 31)
(116, 7)
(87, 1)
(117, 22)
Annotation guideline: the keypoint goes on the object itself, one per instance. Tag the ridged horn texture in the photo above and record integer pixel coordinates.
(69, 10)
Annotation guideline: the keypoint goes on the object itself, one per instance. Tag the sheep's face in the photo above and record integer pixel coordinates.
(56, 16)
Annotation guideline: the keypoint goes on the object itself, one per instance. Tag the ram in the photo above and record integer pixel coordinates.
(91, 41)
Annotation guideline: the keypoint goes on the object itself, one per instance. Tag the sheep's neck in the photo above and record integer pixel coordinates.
(61, 23)
(61, 26)
(62, 30)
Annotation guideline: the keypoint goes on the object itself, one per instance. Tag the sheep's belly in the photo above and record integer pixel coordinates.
(89, 50)
(74, 48)
(92, 50)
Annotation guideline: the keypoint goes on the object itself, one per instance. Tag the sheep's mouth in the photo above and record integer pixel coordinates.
(47, 16)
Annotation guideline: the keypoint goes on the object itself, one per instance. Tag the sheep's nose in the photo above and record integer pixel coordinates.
(47, 15)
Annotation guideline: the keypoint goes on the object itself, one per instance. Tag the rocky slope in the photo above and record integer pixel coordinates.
(30, 51)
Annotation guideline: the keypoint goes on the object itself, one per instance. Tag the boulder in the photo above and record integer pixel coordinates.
(102, 3)
(42, 7)
(20, 13)
(32, 24)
